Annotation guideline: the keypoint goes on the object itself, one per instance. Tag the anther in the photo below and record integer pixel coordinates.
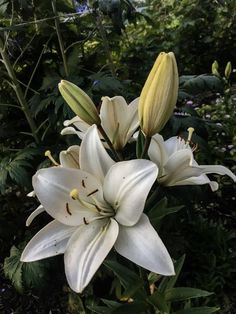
(190, 134)
(74, 194)
(68, 209)
(91, 193)
(49, 155)
(85, 222)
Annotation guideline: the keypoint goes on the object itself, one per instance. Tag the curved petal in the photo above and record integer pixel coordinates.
(157, 152)
(49, 241)
(70, 130)
(53, 187)
(206, 169)
(119, 120)
(142, 245)
(200, 180)
(86, 251)
(175, 144)
(78, 123)
(93, 156)
(126, 187)
(178, 168)
(70, 158)
(34, 214)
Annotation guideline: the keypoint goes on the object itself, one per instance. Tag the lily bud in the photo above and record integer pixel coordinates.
(214, 68)
(228, 70)
(159, 94)
(79, 102)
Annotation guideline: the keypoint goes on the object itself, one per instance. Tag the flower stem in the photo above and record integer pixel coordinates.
(18, 91)
(103, 133)
(59, 36)
(146, 146)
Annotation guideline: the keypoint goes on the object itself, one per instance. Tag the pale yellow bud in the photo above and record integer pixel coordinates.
(214, 68)
(228, 70)
(79, 102)
(159, 94)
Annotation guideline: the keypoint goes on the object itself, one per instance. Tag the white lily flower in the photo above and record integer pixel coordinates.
(95, 208)
(118, 119)
(177, 165)
(70, 158)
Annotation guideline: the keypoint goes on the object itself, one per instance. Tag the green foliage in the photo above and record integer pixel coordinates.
(17, 167)
(24, 275)
(109, 51)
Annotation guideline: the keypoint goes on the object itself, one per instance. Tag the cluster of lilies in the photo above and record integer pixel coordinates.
(97, 199)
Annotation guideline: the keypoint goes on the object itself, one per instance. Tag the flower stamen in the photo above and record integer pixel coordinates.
(190, 134)
(49, 155)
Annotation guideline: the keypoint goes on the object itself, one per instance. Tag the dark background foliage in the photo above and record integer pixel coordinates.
(109, 50)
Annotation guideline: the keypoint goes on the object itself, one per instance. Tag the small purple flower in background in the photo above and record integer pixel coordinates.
(189, 103)
(81, 8)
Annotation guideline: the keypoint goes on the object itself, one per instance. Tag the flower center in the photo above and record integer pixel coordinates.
(103, 209)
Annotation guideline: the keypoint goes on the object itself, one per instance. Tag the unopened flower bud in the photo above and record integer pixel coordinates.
(159, 94)
(79, 102)
(228, 70)
(214, 68)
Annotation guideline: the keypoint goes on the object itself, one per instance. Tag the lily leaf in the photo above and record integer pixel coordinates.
(159, 302)
(128, 279)
(184, 293)
(168, 283)
(199, 310)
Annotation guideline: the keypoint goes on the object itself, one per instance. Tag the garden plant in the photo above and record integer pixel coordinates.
(117, 157)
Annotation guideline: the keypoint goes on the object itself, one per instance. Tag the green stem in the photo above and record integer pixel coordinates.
(106, 44)
(103, 133)
(59, 36)
(18, 91)
(146, 146)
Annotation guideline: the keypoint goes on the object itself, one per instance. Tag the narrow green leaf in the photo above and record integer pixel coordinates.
(199, 310)
(128, 279)
(184, 293)
(157, 300)
(169, 282)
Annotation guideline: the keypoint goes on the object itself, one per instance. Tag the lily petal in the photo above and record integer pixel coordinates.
(93, 156)
(86, 251)
(178, 168)
(174, 144)
(70, 158)
(78, 123)
(70, 130)
(49, 241)
(126, 187)
(34, 214)
(200, 180)
(53, 187)
(206, 169)
(157, 152)
(142, 245)
(119, 120)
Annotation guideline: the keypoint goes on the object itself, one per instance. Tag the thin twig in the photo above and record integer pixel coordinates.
(59, 36)
(19, 93)
(36, 66)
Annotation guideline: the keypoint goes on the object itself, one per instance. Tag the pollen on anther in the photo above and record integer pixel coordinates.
(74, 194)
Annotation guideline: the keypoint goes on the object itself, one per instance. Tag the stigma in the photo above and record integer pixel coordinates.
(49, 155)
